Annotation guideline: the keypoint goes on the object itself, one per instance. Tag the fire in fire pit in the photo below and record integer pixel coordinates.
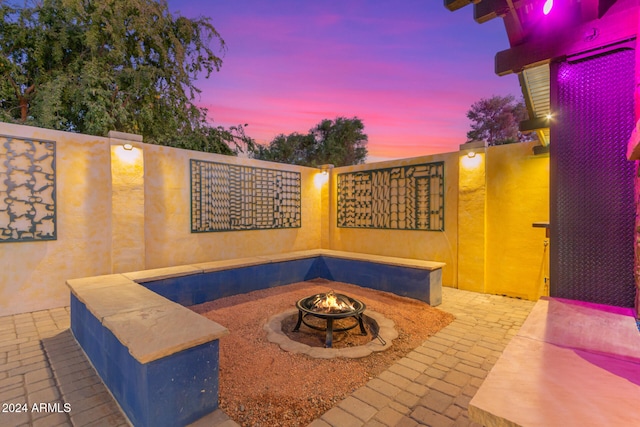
(330, 306)
(331, 302)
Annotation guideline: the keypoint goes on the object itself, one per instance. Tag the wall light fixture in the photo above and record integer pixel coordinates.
(323, 177)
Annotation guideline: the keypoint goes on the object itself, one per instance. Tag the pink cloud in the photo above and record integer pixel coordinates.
(409, 73)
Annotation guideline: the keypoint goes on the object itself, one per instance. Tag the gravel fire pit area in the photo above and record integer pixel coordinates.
(262, 384)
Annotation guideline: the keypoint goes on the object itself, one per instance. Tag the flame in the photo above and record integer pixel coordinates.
(331, 303)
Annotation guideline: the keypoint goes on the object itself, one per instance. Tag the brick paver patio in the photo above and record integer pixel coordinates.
(41, 363)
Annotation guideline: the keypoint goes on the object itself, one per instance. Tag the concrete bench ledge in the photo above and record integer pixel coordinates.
(149, 325)
(152, 333)
(401, 262)
(158, 358)
(211, 266)
(105, 296)
(572, 363)
(162, 273)
(202, 282)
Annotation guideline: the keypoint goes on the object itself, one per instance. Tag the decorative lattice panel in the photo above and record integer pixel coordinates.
(27, 190)
(592, 204)
(399, 198)
(228, 197)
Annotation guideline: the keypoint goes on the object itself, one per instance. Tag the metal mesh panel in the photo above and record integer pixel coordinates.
(27, 189)
(399, 198)
(228, 197)
(592, 206)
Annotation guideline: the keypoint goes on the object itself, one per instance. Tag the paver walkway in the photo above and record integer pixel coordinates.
(40, 363)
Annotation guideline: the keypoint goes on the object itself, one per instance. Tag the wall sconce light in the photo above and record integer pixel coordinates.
(127, 153)
(323, 177)
(325, 168)
(469, 157)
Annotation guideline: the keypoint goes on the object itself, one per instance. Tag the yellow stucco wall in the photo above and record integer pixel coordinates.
(425, 245)
(34, 273)
(472, 196)
(169, 240)
(323, 182)
(122, 211)
(127, 207)
(517, 259)
(116, 214)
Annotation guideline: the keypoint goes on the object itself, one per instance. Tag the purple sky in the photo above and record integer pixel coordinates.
(409, 69)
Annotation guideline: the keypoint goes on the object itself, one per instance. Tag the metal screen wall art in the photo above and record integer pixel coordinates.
(228, 197)
(399, 198)
(27, 190)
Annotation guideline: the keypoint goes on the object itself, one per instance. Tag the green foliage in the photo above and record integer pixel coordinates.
(339, 142)
(125, 65)
(496, 120)
(294, 148)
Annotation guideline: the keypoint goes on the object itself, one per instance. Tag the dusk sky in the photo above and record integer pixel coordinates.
(409, 69)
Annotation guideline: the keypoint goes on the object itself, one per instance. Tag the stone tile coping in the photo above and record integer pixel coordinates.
(105, 298)
(401, 262)
(208, 267)
(152, 333)
(162, 273)
(149, 325)
(571, 363)
(212, 266)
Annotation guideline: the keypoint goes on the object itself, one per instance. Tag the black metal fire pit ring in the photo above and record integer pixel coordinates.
(304, 309)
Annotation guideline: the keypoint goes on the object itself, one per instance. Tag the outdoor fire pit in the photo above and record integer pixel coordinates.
(330, 306)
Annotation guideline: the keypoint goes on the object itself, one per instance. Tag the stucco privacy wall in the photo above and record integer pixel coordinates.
(438, 246)
(169, 240)
(34, 273)
(123, 211)
(120, 210)
(472, 239)
(503, 191)
(517, 258)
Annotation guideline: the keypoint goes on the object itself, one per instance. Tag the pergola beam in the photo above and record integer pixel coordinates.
(456, 4)
(600, 23)
(534, 124)
(592, 35)
(486, 10)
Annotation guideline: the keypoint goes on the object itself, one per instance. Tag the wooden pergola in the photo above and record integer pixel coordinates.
(571, 28)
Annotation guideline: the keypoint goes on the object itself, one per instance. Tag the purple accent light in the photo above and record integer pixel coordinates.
(592, 208)
(547, 7)
(565, 74)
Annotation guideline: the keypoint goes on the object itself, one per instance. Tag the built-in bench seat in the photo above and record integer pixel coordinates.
(160, 360)
(571, 364)
(198, 283)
